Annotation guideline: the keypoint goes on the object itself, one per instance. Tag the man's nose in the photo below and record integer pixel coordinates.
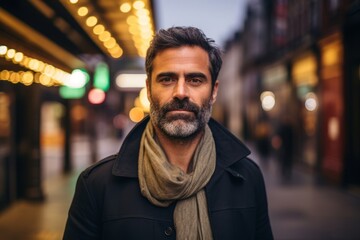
(180, 90)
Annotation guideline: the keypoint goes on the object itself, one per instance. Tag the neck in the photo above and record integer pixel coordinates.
(179, 152)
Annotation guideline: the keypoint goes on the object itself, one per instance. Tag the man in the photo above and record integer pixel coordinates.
(179, 174)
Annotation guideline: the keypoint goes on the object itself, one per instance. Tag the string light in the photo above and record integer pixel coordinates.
(49, 75)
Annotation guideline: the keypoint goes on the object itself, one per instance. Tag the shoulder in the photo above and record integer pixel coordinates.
(93, 181)
(100, 168)
(229, 148)
(250, 166)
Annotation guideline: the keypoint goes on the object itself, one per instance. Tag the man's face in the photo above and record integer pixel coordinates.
(180, 92)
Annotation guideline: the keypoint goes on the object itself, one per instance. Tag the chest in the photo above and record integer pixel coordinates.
(231, 209)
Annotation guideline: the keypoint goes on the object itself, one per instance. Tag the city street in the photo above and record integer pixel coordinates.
(77, 75)
(299, 209)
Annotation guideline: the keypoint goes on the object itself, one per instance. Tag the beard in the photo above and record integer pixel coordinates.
(180, 126)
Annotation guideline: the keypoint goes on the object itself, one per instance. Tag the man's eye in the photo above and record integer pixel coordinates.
(196, 81)
(166, 80)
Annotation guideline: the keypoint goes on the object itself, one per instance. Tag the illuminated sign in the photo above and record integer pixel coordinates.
(102, 77)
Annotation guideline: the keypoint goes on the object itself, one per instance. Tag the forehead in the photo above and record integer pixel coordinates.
(186, 57)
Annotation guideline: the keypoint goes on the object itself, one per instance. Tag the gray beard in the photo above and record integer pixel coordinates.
(181, 126)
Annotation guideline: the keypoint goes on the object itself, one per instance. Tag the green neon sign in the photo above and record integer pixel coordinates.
(102, 77)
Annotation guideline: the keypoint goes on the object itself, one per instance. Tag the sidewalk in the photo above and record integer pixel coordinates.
(304, 210)
(25, 220)
(300, 210)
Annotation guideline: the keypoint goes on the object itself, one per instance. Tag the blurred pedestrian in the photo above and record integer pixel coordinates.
(263, 144)
(179, 174)
(286, 136)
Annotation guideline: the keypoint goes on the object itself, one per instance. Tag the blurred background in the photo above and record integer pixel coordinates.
(72, 84)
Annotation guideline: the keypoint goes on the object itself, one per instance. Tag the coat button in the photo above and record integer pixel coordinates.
(169, 231)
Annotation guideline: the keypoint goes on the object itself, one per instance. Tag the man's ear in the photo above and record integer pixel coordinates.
(214, 92)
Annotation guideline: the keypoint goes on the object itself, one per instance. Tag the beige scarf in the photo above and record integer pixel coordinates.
(163, 183)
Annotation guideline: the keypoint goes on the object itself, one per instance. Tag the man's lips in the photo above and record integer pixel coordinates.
(179, 112)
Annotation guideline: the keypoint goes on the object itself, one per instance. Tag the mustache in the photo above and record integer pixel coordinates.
(177, 104)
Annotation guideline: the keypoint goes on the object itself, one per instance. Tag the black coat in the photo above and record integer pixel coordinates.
(108, 204)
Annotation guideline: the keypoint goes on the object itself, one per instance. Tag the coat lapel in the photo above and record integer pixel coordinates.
(229, 150)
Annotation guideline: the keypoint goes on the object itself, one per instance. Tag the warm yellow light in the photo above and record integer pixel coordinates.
(99, 29)
(14, 77)
(104, 36)
(137, 40)
(144, 100)
(134, 29)
(56, 76)
(117, 53)
(37, 77)
(142, 53)
(83, 11)
(110, 43)
(45, 80)
(144, 20)
(25, 61)
(18, 57)
(10, 53)
(304, 71)
(27, 78)
(33, 64)
(41, 67)
(49, 70)
(73, 1)
(125, 7)
(138, 4)
(137, 102)
(136, 114)
(131, 20)
(59, 74)
(4, 74)
(146, 35)
(91, 21)
(114, 49)
(142, 12)
(3, 50)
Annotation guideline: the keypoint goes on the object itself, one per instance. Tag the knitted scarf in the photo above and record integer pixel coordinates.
(163, 183)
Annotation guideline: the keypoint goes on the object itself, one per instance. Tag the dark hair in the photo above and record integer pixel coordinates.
(175, 37)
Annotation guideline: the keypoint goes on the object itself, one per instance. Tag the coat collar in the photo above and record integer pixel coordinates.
(229, 150)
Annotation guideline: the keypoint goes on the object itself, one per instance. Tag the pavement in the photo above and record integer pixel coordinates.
(303, 209)
(299, 209)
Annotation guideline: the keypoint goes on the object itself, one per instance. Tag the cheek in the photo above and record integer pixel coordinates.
(155, 101)
(208, 98)
(160, 97)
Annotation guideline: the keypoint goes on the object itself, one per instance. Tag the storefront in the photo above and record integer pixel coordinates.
(305, 81)
(276, 80)
(6, 145)
(332, 111)
(251, 107)
(279, 105)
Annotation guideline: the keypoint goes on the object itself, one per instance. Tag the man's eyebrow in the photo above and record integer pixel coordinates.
(195, 74)
(166, 74)
(187, 75)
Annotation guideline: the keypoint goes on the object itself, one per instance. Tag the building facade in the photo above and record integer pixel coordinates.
(303, 54)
